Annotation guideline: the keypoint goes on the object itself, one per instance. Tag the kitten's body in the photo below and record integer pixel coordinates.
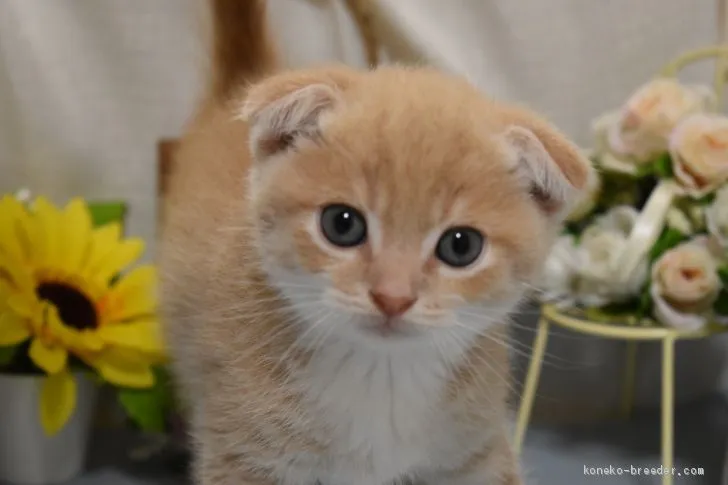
(353, 415)
(273, 342)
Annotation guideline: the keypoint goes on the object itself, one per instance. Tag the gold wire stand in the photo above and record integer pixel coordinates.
(632, 335)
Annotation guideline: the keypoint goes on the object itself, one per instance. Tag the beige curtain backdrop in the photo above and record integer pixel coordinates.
(88, 87)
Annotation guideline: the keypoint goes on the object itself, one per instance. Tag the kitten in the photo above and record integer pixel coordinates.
(339, 253)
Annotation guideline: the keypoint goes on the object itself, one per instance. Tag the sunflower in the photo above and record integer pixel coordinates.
(62, 294)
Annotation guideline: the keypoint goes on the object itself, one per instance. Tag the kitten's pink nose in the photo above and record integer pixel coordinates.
(392, 306)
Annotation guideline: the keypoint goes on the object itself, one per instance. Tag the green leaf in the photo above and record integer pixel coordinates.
(644, 170)
(620, 309)
(668, 239)
(143, 408)
(622, 313)
(572, 230)
(723, 274)
(721, 304)
(105, 212)
(7, 354)
(645, 301)
(706, 199)
(149, 408)
(662, 167)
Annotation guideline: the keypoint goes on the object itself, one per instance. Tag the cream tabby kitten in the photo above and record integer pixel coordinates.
(340, 250)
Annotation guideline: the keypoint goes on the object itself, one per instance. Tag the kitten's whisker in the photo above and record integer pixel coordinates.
(483, 359)
(326, 334)
(243, 313)
(302, 337)
(549, 359)
(467, 363)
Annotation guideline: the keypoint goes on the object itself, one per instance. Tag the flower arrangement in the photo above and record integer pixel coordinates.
(648, 245)
(67, 306)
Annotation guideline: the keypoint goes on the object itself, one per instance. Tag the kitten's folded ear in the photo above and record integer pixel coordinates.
(288, 106)
(554, 171)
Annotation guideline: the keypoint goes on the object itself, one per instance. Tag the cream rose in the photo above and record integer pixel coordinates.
(716, 217)
(650, 114)
(641, 128)
(685, 284)
(699, 151)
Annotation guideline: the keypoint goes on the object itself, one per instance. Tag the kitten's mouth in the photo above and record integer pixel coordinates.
(389, 328)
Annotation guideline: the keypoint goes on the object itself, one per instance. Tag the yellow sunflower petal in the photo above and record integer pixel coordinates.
(144, 336)
(90, 340)
(76, 232)
(48, 247)
(5, 288)
(51, 359)
(103, 241)
(13, 240)
(24, 306)
(13, 329)
(57, 401)
(123, 368)
(125, 253)
(134, 296)
(17, 275)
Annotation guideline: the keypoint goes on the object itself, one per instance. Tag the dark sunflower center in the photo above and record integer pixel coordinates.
(74, 308)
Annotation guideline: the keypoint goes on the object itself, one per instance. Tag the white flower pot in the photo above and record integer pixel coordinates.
(27, 455)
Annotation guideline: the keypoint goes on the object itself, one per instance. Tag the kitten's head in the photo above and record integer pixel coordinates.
(393, 204)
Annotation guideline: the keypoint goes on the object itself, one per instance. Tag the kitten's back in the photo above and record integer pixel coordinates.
(207, 177)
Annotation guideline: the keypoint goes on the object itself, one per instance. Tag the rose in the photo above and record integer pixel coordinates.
(644, 124)
(584, 273)
(601, 245)
(716, 217)
(699, 151)
(559, 271)
(685, 284)
(639, 131)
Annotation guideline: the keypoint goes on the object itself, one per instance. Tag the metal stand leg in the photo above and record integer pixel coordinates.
(630, 371)
(668, 406)
(529, 389)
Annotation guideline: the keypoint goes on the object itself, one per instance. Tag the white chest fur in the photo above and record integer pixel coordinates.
(379, 410)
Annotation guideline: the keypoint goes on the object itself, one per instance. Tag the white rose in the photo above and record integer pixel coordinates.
(559, 271)
(685, 284)
(699, 151)
(600, 246)
(716, 217)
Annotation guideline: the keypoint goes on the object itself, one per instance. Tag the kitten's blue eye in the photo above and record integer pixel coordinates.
(343, 226)
(460, 246)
